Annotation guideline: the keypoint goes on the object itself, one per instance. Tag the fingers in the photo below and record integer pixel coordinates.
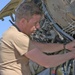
(71, 45)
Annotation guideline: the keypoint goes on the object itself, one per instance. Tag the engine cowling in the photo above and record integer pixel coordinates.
(63, 13)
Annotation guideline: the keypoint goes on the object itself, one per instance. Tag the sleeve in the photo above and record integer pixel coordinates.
(21, 43)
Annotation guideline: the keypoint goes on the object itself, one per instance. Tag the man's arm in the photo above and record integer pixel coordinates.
(51, 47)
(48, 61)
(46, 47)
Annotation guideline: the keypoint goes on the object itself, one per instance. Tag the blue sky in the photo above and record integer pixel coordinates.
(4, 25)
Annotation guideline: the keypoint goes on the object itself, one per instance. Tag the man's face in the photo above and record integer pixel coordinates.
(33, 24)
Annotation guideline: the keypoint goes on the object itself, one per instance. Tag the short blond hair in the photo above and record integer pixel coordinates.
(26, 10)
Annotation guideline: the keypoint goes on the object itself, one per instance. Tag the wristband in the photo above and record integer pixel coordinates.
(64, 46)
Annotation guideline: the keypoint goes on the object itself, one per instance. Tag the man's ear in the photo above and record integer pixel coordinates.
(23, 21)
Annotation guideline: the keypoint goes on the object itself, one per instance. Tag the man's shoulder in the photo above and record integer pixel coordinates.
(13, 33)
(10, 32)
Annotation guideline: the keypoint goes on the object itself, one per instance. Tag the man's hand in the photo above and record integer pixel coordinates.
(73, 52)
(70, 46)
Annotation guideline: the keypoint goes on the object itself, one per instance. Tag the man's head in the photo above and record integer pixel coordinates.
(27, 17)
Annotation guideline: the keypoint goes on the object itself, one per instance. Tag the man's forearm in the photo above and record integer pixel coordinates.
(49, 47)
(56, 60)
(48, 61)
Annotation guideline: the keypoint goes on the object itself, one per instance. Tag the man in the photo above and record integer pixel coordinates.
(16, 48)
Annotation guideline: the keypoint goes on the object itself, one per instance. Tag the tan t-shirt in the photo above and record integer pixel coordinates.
(14, 45)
